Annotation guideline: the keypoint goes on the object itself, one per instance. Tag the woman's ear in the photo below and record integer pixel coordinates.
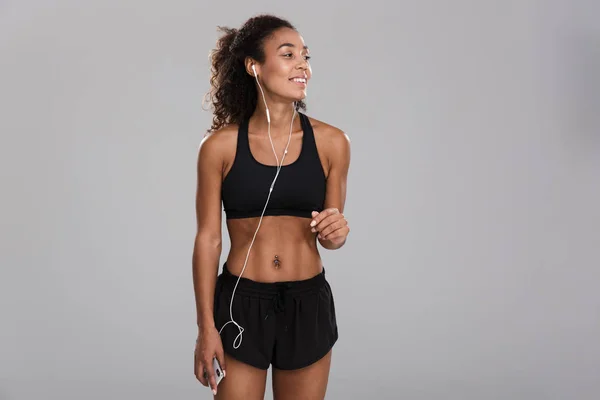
(250, 63)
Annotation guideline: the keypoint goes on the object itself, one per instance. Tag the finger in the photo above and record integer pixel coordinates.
(195, 364)
(334, 226)
(201, 374)
(323, 225)
(211, 375)
(338, 233)
(336, 236)
(337, 221)
(197, 367)
(333, 234)
(213, 384)
(323, 214)
(327, 221)
(221, 359)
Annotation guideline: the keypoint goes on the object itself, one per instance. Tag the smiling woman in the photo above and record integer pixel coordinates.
(281, 313)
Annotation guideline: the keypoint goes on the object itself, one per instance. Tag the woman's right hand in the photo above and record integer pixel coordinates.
(208, 345)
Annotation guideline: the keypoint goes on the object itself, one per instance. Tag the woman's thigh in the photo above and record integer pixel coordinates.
(242, 381)
(308, 383)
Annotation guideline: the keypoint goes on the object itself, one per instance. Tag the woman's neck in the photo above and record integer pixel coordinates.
(281, 117)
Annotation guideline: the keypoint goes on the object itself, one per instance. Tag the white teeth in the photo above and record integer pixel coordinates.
(301, 80)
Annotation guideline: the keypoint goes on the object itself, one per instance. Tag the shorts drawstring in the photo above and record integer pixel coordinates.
(278, 303)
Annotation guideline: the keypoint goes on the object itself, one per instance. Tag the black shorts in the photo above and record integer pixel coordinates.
(287, 324)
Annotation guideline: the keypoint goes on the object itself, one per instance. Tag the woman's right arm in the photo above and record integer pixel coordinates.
(207, 246)
(205, 263)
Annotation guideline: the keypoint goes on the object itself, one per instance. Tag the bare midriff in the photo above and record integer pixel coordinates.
(284, 249)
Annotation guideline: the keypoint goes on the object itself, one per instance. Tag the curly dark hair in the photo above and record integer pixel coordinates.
(233, 93)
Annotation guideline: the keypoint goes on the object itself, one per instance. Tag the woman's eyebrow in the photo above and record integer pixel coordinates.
(290, 45)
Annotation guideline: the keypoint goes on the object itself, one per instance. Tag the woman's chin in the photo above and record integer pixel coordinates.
(292, 97)
(298, 97)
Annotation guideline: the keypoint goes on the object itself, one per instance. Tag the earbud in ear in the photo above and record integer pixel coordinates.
(254, 69)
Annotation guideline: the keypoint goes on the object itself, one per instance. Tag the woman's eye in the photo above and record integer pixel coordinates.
(306, 57)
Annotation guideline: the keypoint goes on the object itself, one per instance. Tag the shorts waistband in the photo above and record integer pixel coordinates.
(268, 289)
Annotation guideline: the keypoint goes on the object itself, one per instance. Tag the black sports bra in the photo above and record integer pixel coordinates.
(299, 188)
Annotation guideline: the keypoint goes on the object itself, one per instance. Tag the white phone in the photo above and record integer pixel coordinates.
(218, 370)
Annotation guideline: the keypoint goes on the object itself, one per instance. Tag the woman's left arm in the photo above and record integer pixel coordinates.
(330, 224)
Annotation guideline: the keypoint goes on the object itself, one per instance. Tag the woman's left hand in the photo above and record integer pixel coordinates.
(331, 225)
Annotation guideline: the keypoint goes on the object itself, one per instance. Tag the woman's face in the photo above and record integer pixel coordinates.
(286, 70)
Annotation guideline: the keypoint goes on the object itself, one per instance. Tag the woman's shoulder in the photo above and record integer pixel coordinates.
(224, 133)
(220, 142)
(329, 133)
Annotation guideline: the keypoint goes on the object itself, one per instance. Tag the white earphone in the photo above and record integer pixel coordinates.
(267, 108)
(279, 165)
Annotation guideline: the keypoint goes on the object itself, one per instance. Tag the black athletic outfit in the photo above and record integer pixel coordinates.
(291, 324)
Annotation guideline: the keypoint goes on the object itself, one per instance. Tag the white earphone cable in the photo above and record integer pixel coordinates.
(279, 165)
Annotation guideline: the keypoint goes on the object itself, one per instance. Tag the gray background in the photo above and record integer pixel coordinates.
(472, 268)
